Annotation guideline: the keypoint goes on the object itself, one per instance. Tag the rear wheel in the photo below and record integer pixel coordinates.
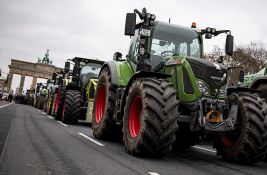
(31, 100)
(36, 101)
(47, 104)
(246, 143)
(72, 107)
(59, 104)
(103, 125)
(41, 103)
(150, 117)
(263, 89)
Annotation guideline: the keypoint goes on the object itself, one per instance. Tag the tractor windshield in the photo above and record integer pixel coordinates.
(169, 39)
(91, 69)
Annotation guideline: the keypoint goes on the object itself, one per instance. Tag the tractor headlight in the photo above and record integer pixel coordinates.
(222, 92)
(203, 87)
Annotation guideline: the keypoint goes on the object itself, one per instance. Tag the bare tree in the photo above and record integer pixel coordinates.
(251, 57)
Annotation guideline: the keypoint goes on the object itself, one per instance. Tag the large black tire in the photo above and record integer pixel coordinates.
(246, 143)
(51, 105)
(72, 107)
(264, 147)
(36, 101)
(263, 89)
(31, 101)
(54, 105)
(58, 106)
(48, 104)
(41, 103)
(150, 117)
(103, 125)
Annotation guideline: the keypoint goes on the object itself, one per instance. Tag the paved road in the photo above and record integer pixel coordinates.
(37, 144)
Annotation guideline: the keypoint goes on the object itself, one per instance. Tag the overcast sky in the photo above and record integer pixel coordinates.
(95, 29)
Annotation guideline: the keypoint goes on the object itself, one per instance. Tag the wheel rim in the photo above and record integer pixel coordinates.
(227, 140)
(57, 101)
(134, 118)
(100, 104)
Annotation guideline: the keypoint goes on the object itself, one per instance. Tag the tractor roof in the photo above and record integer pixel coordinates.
(168, 30)
(87, 60)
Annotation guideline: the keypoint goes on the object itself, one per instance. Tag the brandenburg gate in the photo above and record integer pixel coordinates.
(42, 69)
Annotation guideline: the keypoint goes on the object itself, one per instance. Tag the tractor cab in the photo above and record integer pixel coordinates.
(89, 71)
(83, 70)
(168, 40)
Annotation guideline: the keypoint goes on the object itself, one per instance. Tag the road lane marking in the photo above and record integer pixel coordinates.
(205, 149)
(6, 105)
(62, 123)
(153, 173)
(43, 113)
(92, 140)
(50, 117)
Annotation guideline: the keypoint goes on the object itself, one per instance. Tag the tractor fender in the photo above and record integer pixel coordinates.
(91, 88)
(139, 74)
(241, 89)
(258, 81)
(113, 71)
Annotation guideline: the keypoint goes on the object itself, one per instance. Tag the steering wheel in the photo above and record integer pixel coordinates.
(167, 53)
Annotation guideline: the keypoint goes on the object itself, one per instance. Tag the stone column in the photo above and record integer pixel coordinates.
(34, 80)
(21, 84)
(9, 81)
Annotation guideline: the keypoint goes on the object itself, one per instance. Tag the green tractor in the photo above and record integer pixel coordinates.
(165, 94)
(76, 93)
(29, 97)
(40, 95)
(50, 99)
(257, 81)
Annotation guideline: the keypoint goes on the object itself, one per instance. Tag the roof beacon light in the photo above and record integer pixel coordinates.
(194, 25)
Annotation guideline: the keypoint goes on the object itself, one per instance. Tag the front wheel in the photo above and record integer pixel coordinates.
(246, 143)
(58, 105)
(72, 107)
(41, 102)
(150, 117)
(103, 124)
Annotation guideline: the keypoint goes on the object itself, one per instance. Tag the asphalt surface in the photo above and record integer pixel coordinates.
(35, 143)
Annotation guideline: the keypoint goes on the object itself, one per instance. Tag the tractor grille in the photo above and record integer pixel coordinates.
(207, 71)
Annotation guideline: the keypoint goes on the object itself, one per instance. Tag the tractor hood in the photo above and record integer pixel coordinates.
(249, 78)
(210, 72)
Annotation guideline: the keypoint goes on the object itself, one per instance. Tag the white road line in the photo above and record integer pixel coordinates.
(205, 149)
(62, 123)
(50, 117)
(43, 113)
(92, 140)
(6, 105)
(153, 173)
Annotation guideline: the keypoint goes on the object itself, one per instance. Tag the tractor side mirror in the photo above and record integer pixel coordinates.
(241, 76)
(67, 67)
(117, 56)
(229, 45)
(130, 24)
